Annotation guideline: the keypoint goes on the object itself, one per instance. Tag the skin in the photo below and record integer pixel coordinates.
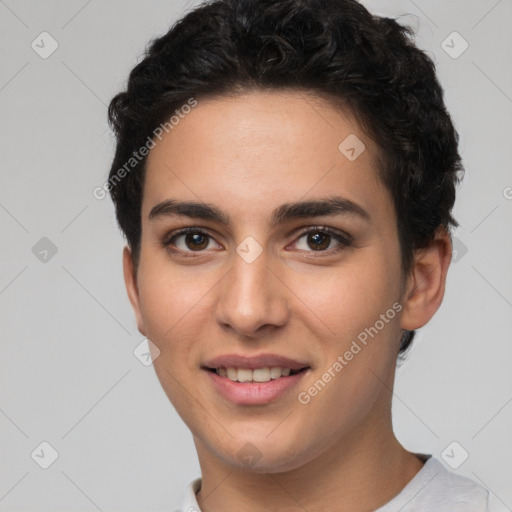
(248, 155)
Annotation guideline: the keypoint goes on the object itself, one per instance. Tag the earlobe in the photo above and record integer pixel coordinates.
(426, 282)
(130, 281)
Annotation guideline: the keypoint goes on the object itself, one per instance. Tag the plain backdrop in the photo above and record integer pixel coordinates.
(68, 374)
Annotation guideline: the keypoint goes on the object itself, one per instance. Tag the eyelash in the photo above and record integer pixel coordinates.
(343, 239)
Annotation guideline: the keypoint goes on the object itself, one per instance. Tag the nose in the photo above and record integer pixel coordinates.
(253, 298)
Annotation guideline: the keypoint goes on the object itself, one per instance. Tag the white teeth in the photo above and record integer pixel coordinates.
(275, 372)
(257, 375)
(260, 374)
(244, 375)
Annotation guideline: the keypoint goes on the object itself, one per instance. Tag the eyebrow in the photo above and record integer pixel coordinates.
(334, 205)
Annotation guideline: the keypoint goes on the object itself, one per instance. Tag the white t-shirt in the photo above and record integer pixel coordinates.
(433, 489)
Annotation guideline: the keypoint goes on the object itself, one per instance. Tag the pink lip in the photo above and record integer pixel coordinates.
(259, 361)
(254, 393)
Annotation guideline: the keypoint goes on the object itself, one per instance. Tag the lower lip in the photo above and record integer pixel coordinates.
(254, 393)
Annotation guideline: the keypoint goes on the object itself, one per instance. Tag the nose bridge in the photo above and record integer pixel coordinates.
(251, 296)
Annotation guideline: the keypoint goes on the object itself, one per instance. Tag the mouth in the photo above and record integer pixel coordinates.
(255, 386)
(254, 380)
(259, 375)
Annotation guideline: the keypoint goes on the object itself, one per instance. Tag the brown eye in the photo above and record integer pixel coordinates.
(322, 239)
(318, 241)
(189, 240)
(196, 241)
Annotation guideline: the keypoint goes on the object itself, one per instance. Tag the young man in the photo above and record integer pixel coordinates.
(284, 175)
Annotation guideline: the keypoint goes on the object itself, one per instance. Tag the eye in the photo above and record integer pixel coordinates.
(320, 239)
(189, 240)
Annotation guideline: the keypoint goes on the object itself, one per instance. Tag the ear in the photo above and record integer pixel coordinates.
(426, 282)
(130, 281)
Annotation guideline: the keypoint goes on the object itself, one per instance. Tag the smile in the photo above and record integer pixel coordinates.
(264, 374)
(240, 387)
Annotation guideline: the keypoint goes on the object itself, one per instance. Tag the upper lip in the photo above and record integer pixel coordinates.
(253, 362)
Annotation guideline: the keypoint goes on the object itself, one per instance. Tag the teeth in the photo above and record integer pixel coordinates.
(260, 374)
(257, 375)
(244, 375)
(275, 372)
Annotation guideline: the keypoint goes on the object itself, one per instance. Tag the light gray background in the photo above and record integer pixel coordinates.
(67, 372)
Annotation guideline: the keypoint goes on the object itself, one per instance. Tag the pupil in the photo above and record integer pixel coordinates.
(317, 240)
(195, 239)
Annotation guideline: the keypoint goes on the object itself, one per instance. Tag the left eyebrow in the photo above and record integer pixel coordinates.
(335, 205)
(329, 206)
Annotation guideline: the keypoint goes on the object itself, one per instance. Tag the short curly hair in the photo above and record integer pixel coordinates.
(333, 48)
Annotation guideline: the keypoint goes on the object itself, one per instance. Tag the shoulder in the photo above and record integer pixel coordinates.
(457, 491)
(435, 488)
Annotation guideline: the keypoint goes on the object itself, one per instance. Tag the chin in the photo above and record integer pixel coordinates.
(263, 455)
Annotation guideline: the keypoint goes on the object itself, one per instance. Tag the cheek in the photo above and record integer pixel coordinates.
(346, 299)
(175, 310)
(168, 303)
(358, 356)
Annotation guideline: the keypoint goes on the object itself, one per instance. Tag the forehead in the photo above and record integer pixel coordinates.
(252, 152)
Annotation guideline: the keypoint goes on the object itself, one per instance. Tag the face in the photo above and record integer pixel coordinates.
(291, 252)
